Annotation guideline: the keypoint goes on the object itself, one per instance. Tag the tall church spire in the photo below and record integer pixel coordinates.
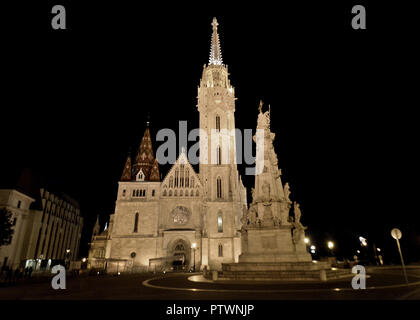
(215, 51)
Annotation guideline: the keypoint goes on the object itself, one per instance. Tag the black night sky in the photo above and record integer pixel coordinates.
(74, 102)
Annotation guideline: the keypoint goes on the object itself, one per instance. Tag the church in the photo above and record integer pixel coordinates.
(187, 220)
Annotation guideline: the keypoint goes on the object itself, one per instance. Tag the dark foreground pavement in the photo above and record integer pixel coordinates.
(382, 283)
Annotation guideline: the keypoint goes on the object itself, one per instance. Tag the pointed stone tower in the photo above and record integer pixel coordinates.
(273, 244)
(145, 158)
(145, 166)
(267, 228)
(96, 228)
(126, 175)
(224, 193)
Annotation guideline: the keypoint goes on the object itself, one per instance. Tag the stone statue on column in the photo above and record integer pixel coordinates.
(287, 192)
(298, 228)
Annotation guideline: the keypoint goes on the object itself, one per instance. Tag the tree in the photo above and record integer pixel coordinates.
(6, 226)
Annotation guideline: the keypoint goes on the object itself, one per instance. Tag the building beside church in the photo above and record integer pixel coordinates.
(187, 219)
(47, 225)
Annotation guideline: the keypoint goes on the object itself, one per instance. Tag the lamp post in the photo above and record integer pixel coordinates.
(330, 245)
(194, 247)
(396, 234)
(67, 258)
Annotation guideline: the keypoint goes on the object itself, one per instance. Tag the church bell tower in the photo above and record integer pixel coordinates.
(224, 193)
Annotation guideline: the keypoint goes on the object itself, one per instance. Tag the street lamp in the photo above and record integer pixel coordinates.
(313, 249)
(363, 241)
(330, 245)
(396, 234)
(306, 240)
(84, 260)
(194, 247)
(67, 258)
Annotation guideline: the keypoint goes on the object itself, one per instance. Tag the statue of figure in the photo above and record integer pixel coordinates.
(252, 215)
(253, 195)
(297, 212)
(298, 235)
(276, 221)
(299, 229)
(287, 192)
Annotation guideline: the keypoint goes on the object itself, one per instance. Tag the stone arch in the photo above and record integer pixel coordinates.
(179, 253)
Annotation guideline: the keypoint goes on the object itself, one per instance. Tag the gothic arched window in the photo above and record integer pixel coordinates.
(217, 123)
(181, 178)
(220, 250)
(140, 176)
(176, 178)
(220, 221)
(219, 187)
(192, 182)
(219, 155)
(136, 222)
(187, 178)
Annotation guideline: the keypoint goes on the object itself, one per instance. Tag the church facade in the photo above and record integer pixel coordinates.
(187, 220)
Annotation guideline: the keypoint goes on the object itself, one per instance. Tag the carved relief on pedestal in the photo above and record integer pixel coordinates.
(267, 216)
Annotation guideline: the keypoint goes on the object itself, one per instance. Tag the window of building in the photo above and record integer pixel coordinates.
(136, 222)
(187, 178)
(19, 204)
(123, 193)
(170, 193)
(153, 193)
(14, 221)
(134, 193)
(219, 187)
(140, 176)
(220, 222)
(220, 250)
(181, 182)
(219, 155)
(217, 123)
(171, 182)
(176, 178)
(192, 182)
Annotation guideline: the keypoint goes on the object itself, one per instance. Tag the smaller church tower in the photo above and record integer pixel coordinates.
(145, 166)
(96, 228)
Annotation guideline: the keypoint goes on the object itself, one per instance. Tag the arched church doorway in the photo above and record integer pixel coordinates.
(180, 254)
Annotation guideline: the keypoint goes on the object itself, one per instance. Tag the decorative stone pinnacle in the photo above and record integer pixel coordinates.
(215, 51)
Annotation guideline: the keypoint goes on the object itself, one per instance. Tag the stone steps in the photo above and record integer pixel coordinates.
(283, 275)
